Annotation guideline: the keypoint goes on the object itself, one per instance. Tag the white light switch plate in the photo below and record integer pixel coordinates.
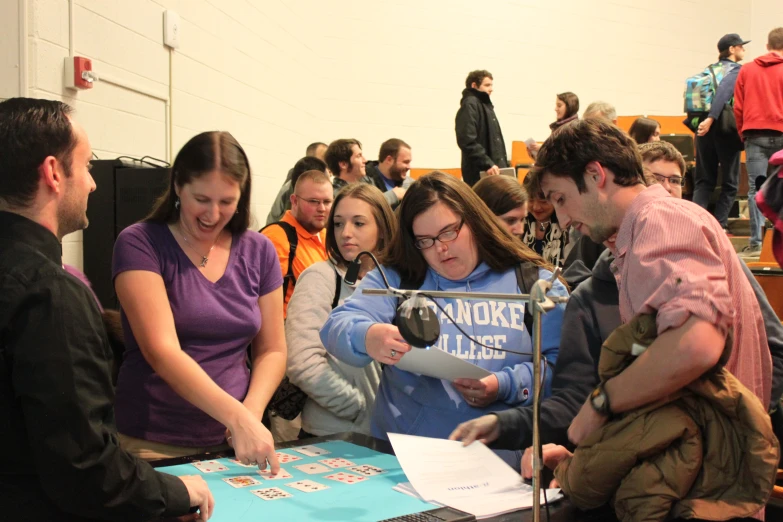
(171, 29)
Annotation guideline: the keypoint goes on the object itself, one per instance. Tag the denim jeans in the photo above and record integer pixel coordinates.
(758, 150)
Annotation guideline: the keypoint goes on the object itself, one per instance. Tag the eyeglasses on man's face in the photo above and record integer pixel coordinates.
(447, 236)
(316, 202)
(673, 180)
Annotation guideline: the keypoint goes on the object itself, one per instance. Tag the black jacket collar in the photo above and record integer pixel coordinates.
(480, 95)
(377, 177)
(18, 228)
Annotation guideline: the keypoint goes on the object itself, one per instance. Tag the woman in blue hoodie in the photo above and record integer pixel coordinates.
(448, 240)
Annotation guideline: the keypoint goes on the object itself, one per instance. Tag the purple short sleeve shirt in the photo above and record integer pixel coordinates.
(215, 324)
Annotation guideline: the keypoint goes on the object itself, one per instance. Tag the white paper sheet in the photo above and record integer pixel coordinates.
(442, 469)
(436, 363)
(493, 504)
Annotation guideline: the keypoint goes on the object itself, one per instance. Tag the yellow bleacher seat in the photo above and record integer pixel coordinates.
(417, 173)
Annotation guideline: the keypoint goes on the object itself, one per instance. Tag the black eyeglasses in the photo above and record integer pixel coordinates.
(674, 180)
(447, 236)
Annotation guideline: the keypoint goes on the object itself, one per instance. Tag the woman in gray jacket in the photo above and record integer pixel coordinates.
(340, 397)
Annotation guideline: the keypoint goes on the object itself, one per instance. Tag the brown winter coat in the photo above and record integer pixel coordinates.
(707, 451)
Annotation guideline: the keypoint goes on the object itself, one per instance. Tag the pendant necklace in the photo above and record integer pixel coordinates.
(204, 258)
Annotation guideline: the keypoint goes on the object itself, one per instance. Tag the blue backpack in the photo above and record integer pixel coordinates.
(700, 88)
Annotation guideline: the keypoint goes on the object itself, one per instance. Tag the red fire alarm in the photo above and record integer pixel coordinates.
(78, 73)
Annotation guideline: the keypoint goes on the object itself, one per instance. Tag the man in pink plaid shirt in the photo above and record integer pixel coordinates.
(672, 258)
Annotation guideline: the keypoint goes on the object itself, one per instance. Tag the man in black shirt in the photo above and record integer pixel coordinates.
(59, 454)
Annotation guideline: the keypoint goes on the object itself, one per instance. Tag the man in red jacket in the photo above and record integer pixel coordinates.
(758, 107)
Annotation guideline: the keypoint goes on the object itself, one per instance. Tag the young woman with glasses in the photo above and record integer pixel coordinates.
(447, 240)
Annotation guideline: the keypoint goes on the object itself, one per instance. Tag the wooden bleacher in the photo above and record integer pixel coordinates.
(417, 173)
(771, 282)
(674, 125)
(669, 124)
(519, 155)
(767, 272)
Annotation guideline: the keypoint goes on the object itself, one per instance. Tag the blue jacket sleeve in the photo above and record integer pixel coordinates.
(344, 333)
(515, 383)
(724, 93)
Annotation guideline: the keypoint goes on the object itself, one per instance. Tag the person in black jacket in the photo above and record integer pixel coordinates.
(60, 457)
(478, 131)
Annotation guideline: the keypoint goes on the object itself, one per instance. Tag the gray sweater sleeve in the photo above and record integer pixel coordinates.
(280, 204)
(391, 198)
(308, 361)
(774, 329)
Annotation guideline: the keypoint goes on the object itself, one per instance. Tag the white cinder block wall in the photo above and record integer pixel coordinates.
(280, 74)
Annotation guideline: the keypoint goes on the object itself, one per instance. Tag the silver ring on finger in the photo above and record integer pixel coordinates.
(393, 354)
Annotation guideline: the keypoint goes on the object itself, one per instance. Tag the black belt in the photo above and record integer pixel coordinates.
(761, 133)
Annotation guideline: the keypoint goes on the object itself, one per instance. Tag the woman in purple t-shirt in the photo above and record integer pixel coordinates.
(196, 289)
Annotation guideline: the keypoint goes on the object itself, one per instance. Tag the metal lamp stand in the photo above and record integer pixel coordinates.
(539, 303)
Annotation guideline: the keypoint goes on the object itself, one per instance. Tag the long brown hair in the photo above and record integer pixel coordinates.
(571, 101)
(205, 152)
(642, 129)
(501, 193)
(496, 246)
(381, 211)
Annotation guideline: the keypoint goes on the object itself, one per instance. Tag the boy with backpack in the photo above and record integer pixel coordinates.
(299, 239)
(709, 98)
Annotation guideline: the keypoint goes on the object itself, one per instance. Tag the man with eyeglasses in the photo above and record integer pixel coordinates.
(310, 206)
(664, 165)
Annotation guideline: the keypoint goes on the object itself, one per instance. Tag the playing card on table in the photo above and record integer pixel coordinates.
(241, 482)
(209, 466)
(337, 462)
(311, 451)
(271, 493)
(238, 463)
(285, 458)
(308, 486)
(267, 474)
(367, 470)
(312, 469)
(346, 478)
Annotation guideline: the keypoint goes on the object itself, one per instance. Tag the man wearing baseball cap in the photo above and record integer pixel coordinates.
(758, 108)
(730, 40)
(715, 145)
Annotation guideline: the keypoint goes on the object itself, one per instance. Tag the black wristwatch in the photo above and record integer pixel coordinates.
(599, 400)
